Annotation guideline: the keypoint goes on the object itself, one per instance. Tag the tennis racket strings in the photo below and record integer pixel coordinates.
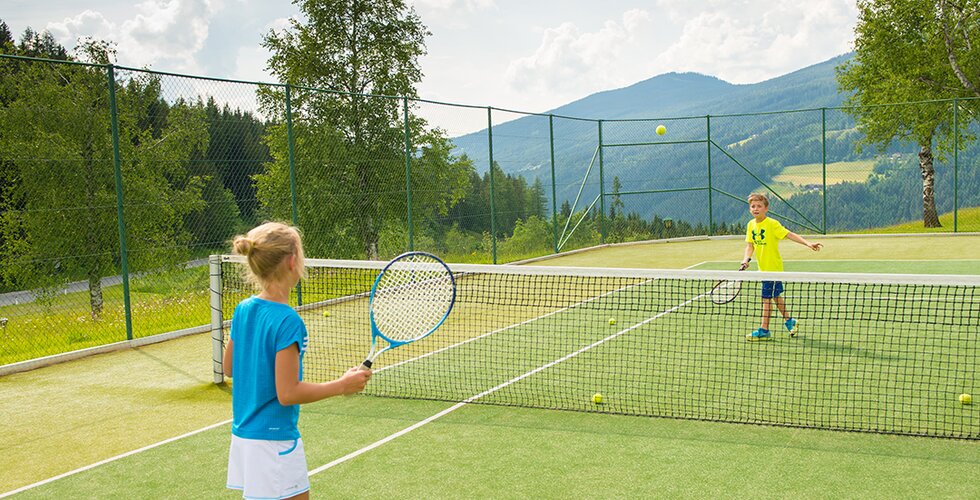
(412, 297)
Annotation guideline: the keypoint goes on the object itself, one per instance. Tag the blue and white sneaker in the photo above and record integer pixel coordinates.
(759, 334)
(791, 327)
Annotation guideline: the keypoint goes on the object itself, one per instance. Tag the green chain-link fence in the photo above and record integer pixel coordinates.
(116, 183)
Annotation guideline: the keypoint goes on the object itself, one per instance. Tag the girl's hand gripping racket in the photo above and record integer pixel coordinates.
(725, 291)
(412, 296)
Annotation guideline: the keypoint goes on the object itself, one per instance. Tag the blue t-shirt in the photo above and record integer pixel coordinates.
(260, 329)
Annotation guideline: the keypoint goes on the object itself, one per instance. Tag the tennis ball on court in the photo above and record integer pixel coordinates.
(966, 398)
(612, 321)
(597, 398)
(661, 130)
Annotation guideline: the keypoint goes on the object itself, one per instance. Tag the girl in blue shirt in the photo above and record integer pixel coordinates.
(268, 340)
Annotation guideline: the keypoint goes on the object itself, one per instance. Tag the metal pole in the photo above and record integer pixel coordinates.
(120, 213)
(823, 141)
(602, 192)
(291, 146)
(408, 179)
(554, 196)
(711, 218)
(956, 164)
(493, 217)
(217, 320)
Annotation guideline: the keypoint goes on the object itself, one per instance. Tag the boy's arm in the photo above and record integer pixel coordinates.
(801, 240)
(749, 250)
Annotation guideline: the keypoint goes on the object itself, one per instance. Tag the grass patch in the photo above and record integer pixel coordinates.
(160, 303)
(797, 179)
(968, 220)
(837, 173)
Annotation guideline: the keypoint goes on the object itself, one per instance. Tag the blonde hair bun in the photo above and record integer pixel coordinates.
(243, 246)
(266, 247)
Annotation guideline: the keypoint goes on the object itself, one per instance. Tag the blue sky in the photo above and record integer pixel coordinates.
(528, 55)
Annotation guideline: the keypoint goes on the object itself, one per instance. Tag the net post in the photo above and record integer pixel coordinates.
(217, 321)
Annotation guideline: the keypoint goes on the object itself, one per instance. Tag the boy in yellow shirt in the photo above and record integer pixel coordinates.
(762, 236)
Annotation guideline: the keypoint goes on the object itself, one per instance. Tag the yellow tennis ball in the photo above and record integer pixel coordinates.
(612, 321)
(326, 314)
(661, 130)
(597, 398)
(966, 398)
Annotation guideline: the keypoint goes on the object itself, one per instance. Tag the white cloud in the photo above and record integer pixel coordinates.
(88, 23)
(745, 42)
(569, 61)
(741, 41)
(165, 35)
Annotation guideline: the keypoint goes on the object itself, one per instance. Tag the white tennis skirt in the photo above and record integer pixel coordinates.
(267, 469)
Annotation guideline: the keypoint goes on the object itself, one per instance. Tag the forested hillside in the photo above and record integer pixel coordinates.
(756, 130)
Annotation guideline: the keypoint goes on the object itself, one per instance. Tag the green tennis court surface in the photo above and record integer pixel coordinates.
(869, 356)
(695, 364)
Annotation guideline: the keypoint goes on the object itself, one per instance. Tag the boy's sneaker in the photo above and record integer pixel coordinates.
(791, 327)
(759, 334)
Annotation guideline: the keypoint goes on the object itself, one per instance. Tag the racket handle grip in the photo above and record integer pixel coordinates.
(366, 365)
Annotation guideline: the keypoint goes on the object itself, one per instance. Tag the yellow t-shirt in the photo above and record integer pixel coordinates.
(765, 237)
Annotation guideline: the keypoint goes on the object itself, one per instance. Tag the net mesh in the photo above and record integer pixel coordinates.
(874, 353)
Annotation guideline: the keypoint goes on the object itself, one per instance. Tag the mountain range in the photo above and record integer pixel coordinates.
(751, 148)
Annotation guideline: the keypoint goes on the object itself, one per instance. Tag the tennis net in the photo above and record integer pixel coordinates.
(873, 353)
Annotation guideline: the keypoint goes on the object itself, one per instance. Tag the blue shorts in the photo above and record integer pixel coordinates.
(772, 289)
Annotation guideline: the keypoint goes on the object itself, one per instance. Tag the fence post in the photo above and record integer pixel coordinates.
(956, 164)
(120, 213)
(554, 196)
(408, 178)
(711, 219)
(823, 142)
(602, 192)
(290, 146)
(493, 217)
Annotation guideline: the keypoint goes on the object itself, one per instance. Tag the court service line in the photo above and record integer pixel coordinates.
(112, 459)
(514, 380)
(515, 325)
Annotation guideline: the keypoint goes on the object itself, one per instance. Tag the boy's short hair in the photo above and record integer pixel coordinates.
(759, 197)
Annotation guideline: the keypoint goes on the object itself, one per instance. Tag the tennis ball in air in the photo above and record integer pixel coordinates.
(326, 314)
(597, 398)
(612, 321)
(661, 130)
(966, 398)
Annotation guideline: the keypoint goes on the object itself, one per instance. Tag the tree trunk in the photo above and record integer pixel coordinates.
(929, 216)
(95, 294)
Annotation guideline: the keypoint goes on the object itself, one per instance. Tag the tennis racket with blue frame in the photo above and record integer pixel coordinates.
(411, 298)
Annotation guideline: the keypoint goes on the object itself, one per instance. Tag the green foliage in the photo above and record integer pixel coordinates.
(901, 56)
(355, 48)
(59, 222)
(235, 153)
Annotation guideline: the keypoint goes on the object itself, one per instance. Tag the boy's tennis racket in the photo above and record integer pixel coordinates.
(411, 297)
(725, 291)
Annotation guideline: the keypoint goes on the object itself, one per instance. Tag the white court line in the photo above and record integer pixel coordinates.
(508, 327)
(113, 459)
(397, 434)
(495, 389)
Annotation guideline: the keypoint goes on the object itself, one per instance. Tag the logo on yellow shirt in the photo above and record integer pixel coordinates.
(760, 238)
